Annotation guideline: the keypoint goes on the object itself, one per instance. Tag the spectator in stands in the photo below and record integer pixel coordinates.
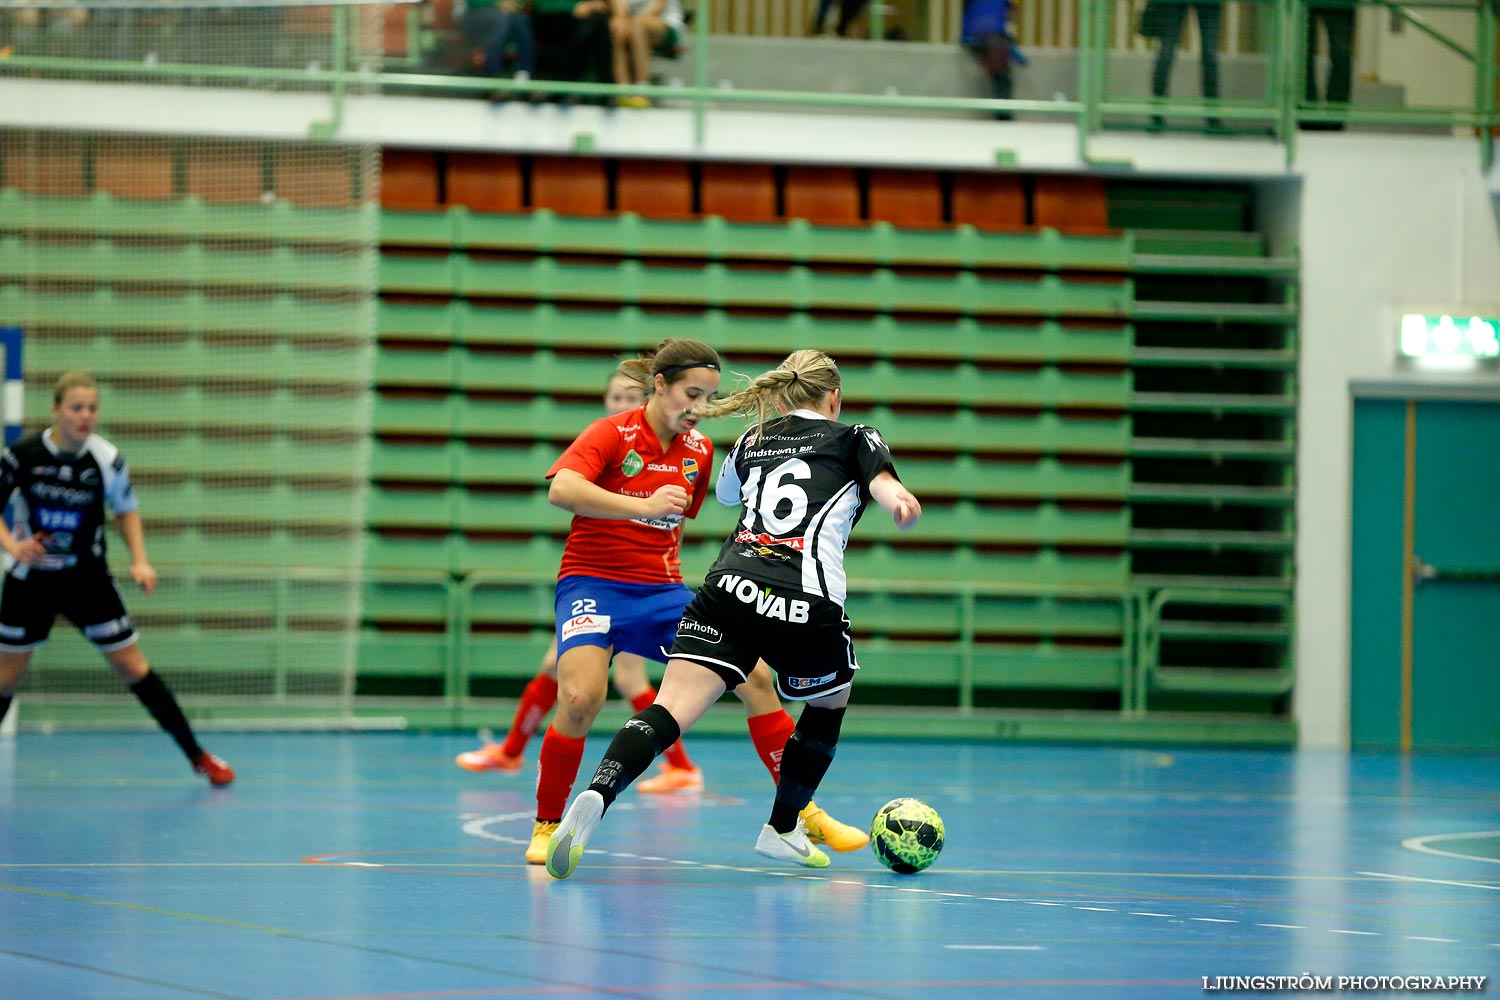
(501, 33)
(35, 32)
(1163, 20)
(986, 34)
(572, 38)
(849, 11)
(1337, 18)
(638, 28)
(65, 477)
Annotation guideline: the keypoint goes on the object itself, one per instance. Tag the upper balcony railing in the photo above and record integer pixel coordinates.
(1262, 67)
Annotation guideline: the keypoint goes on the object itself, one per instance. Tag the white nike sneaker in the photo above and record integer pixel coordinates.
(793, 847)
(565, 847)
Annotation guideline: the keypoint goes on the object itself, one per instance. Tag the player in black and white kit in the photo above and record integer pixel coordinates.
(62, 480)
(776, 592)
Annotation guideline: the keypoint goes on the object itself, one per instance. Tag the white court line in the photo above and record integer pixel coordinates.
(1420, 844)
(1433, 881)
(994, 947)
(477, 827)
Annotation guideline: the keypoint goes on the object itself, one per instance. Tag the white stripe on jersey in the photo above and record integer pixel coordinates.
(117, 492)
(828, 534)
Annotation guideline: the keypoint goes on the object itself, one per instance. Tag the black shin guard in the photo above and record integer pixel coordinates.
(804, 762)
(157, 697)
(633, 749)
(5, 700)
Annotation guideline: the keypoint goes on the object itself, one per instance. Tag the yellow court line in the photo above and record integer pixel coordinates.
(146, 909)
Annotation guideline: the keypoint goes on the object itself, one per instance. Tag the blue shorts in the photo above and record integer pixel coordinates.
(638, 618)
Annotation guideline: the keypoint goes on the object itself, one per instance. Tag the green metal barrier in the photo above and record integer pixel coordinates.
(1112, 669)
(1282, 108)
(436, 628)
(1156, 627)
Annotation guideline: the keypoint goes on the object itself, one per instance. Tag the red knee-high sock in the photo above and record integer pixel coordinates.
(676, 755)
(558, 767)
(769, 733)
(536, 701)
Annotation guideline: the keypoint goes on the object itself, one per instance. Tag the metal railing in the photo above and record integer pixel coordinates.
(353, 64)
(1142, 616)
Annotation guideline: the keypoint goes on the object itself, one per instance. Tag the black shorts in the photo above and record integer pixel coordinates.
(86, 596)
(734, 621)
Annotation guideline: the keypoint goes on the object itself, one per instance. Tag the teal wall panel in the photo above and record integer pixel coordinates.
(1456, 638)
(1375, 565)
(1455, 624)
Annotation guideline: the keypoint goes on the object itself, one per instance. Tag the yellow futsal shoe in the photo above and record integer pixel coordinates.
(536, 853)
(824, 829)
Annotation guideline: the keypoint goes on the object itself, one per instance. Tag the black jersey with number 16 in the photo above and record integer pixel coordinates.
(804, 481)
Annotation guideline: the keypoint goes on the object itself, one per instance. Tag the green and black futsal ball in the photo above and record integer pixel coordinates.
(906, 835)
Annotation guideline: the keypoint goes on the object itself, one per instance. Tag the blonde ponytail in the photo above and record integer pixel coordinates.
(799, 382)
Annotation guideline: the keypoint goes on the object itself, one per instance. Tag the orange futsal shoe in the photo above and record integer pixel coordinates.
(824, 829)
(490, 757)
(216, 769)
(673, 779)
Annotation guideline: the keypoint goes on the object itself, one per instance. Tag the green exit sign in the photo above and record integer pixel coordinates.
(1449, 336)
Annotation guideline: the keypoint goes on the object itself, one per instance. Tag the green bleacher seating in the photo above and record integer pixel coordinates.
(713, 284)
(795, 240)
(102, 215)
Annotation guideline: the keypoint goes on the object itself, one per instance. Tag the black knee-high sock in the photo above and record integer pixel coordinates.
(632, 750)
(5, 700)
(804, 762)
(157, 697)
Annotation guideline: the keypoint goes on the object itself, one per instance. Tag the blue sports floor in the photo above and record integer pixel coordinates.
(368, 866)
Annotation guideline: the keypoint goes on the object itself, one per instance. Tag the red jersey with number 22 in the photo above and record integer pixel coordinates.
(622, 454)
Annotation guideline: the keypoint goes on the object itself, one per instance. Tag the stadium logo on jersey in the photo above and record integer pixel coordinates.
(690, 469)
(808, 683)
(767, 604)
(705, 632)
(585, 625)
(633, 463)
